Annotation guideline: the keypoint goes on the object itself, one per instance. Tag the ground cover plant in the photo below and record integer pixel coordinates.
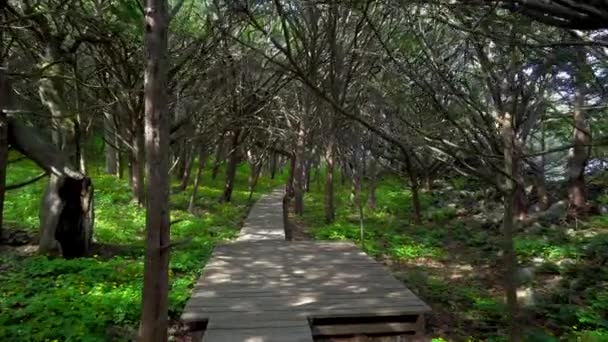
(451, 261)
(98, 298)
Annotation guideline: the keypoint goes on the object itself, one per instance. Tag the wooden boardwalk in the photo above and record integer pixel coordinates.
(262, 288)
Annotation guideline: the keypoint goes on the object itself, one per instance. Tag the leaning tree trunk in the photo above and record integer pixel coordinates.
(154, 318)
(66, 215)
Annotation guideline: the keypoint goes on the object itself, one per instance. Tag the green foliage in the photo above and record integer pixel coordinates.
(455, 264)
(84, 299)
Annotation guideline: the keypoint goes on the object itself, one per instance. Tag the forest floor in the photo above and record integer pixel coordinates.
(452, 261)
(98, 298)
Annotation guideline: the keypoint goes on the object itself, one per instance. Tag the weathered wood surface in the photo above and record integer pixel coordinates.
(267, 289)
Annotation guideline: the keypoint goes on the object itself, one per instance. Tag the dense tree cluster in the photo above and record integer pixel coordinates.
(423, 90)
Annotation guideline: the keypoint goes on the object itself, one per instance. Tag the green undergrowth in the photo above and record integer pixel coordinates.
(98, 298)
(455, 265)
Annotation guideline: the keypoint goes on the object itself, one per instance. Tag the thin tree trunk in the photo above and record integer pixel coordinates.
(185, 177)
(577, 158)
(3, 150)
(154, 319)
(539, 175)
(202, 161)
(4, 100)
(510, 259)
(289, 188)
(329, 180)
(233, 162)
(299, 170)
(256, 169)
(219, 156)
(373, 180)
(273, 165)
(110, 151)
(137, 163)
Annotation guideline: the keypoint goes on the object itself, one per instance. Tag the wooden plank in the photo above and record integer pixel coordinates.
(304, 300)
(312, 310)
(318, 295)
(369, 328)
(288, 334)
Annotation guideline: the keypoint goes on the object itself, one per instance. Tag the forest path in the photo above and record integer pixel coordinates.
(262, 288)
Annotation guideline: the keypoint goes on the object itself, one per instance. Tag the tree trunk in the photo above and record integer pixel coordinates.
(254, 176)
(299, 170)
(219, 156)
(137, 164)
(66, 214)
(273, 165)
(510, 259)
(3, 147)
(289, 187)
(185, 177)
(110, 151)
(154, 319)
(4, 101)
(521, 200)
(202, 161)
(373, 180)
(50, 89)
(577, 158)
(329, 180)
(233, 162)
(539, 175)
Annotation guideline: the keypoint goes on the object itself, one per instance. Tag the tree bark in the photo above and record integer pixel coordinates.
(111, 153)
(4, 101)
(273, 165)
(539, 175)
(577, 158)
(233, 162)
(254, 176)
(202, 161)
(66, 213)
(329, 180)
(50, 88)
(510, 259)
(3, 150)
(185, 177)
(137, 165)
(155, 302)
(300, 169)
(219, 156)
(373, 180)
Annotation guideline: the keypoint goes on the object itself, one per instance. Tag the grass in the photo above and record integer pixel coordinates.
(98, 298)
(455, 265)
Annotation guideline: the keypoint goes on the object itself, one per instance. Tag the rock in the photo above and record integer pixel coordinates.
(555, 212)
(525, 296)
(565, 263)
(603, 210)
(535, 228)
(526, 274)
